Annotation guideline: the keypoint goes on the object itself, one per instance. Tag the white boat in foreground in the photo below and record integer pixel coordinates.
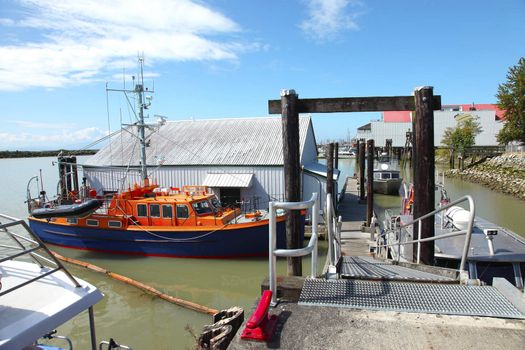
(493, 251)
(37, 293)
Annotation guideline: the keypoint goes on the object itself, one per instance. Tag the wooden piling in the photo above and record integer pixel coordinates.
(330, 170)
(424, 169)
(292, 174)
(370, 182)
(361, 170)
(336, 155)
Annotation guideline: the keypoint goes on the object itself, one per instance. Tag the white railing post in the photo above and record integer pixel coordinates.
(419, 227)
(469, 233)
(315, 214)
(273, 252)
(329, 227)
(273, 258)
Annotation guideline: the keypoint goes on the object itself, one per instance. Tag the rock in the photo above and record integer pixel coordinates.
(505, 174)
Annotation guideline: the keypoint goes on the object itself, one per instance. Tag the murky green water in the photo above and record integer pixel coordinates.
(143, 322)
(127, 314)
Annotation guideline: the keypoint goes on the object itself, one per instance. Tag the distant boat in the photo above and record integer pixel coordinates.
(346, 152)
(149, 220)
(387, 181)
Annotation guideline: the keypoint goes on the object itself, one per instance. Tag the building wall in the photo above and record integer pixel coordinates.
(267, 183)
(380, 131)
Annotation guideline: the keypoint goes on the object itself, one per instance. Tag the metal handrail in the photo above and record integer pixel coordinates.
(36, 244)
(333, 225)
(311, 248)
(467, 232)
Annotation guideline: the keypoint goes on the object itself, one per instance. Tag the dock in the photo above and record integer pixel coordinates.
(378, 304)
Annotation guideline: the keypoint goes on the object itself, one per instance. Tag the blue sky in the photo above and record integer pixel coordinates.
(227, 58)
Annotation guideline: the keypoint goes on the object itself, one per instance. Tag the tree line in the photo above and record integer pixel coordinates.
(54, 153)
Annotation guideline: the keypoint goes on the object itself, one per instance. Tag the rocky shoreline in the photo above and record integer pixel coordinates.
(505, 174)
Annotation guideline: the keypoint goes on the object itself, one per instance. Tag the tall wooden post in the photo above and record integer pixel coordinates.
(361, 170)
(330, 170)
(424, 169)
(336, 155)
(292, 174)
(370, 182)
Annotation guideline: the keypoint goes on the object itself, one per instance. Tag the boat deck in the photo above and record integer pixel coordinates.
(36, 293)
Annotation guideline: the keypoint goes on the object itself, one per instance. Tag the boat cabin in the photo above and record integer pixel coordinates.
(155, 206)
(386, 175)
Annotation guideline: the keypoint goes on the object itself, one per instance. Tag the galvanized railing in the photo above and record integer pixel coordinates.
(29, 245)
(311, 248)
(467, 232)
(333, 225)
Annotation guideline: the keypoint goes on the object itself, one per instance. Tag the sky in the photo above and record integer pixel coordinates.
(227, 58)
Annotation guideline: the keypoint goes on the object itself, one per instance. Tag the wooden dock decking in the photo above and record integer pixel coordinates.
(354, 242)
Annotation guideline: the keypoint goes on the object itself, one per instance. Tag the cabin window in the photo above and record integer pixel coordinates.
(395, 176)
(182, 211)
(202, 207)
(72, 221)
(92, 222)
(167, 211)
(154, 210)
(142, 210)
(115, 224)
(215, 202)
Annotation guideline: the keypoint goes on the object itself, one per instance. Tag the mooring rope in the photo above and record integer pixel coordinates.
(181, 302)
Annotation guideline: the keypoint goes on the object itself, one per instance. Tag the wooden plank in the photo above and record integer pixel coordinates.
(353, 104)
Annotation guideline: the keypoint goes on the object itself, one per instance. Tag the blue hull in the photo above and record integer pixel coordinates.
(231, 243)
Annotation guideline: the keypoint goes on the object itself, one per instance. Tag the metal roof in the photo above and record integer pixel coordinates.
(228, 180)
(247, 141)
(321, 169)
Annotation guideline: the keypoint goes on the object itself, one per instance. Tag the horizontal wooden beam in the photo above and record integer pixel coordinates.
(353, 104)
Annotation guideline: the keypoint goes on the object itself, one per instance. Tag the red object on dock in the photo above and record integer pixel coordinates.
(261, 325)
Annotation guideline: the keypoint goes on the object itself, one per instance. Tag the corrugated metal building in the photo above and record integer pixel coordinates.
(238, 159)
(391, 127)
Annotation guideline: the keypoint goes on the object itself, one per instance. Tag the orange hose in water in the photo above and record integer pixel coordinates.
(181, 302)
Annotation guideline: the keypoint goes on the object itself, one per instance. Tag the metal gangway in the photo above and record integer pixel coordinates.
(373, 283)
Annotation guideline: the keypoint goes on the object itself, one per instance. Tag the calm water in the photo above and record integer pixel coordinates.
(127, 314)
(143, 322)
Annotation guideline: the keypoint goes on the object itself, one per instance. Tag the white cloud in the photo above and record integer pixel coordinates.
(77, 41)
(39, 125)
(59, 138)
(327, 18)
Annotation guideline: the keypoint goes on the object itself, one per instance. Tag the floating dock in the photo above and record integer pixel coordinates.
(379, 304)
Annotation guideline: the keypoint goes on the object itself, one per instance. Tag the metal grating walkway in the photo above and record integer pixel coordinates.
(408, 297)
(368, 267)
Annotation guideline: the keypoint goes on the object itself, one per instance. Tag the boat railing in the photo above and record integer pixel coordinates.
(333, 225)
(28, 244)
(467, 232)
(311, 248)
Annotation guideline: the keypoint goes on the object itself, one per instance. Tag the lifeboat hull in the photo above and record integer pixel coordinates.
(235, 241)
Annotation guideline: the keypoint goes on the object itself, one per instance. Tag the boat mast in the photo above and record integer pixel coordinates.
(139, 91)
(141, 105)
